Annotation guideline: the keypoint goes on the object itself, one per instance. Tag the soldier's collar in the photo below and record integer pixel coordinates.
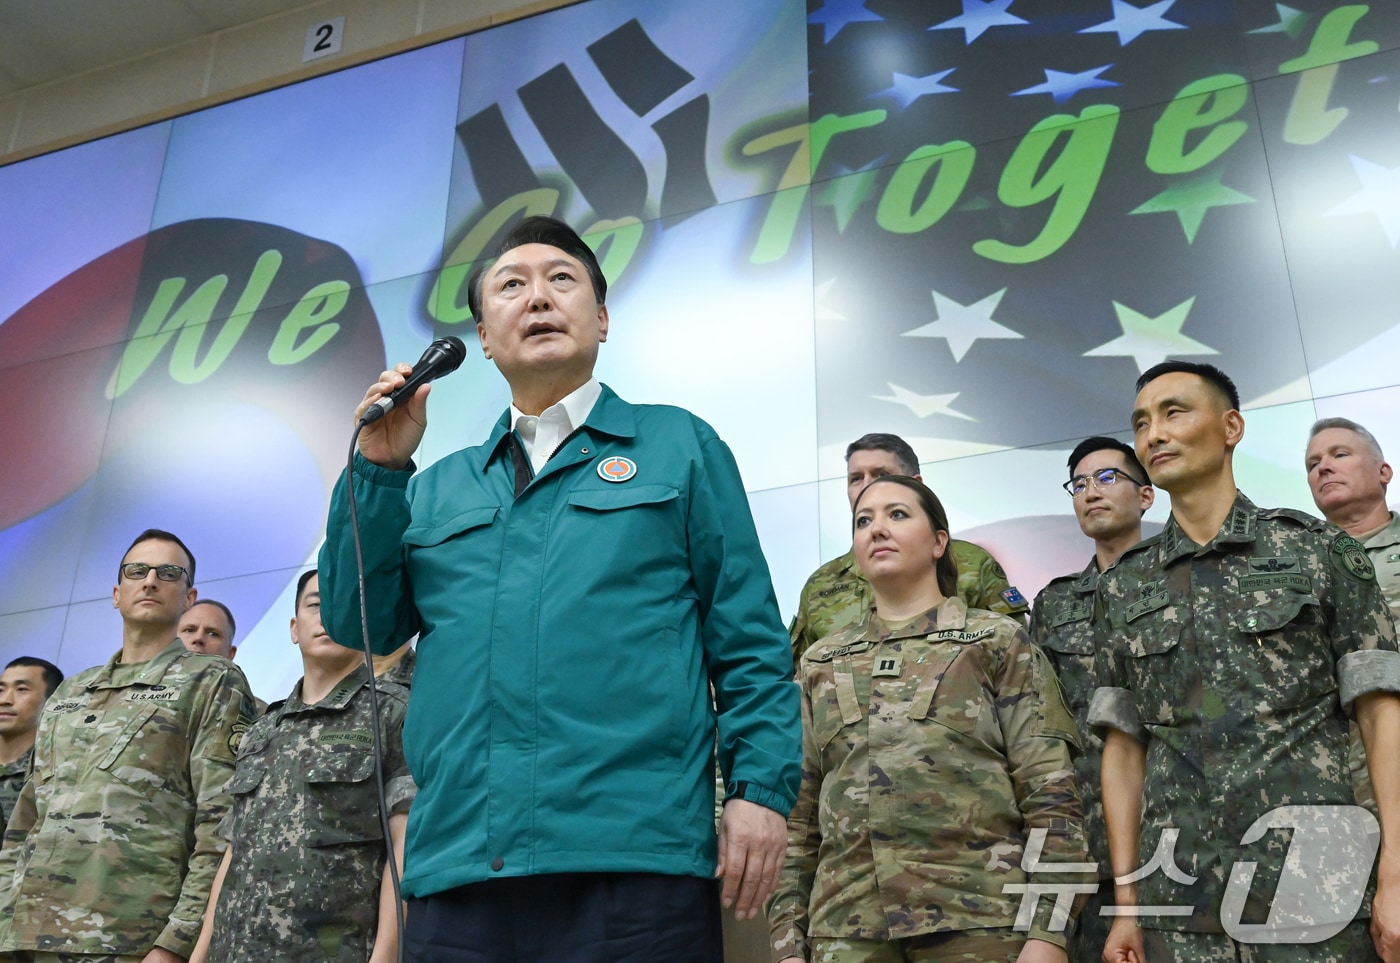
(338, 698)
(1237, 529)
(144, 673)
(948, 614)
(1088, 579)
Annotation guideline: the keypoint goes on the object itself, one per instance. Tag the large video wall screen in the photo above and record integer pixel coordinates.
(969, 222)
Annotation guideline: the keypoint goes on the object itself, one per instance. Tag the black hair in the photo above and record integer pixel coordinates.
(159, 535)
(1103, 443)
(946, 568)
(301, 587)
(895, 445)
(52, 674)
(1212, 375)
(539, 230)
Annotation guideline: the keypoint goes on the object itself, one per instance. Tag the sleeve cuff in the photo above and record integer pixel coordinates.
(1370, 670)
(762, 795)
(379, 475)
(179, 936)
(1113, 708)
(399, 794)
(1059, 939)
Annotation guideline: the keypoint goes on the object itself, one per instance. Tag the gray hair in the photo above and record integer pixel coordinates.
(1323, 424)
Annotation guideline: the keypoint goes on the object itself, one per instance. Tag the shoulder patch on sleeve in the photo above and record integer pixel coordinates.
(1014, 598)
(1354, 557)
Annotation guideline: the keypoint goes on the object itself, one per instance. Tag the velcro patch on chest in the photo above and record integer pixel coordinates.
(886, 666)
(961, 635)
(156, 693)
(341, 738)
(1148, 603)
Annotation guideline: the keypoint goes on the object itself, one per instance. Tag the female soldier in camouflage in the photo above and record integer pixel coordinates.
(936, 753)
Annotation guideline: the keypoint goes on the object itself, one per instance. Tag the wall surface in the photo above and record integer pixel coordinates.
(231, 63)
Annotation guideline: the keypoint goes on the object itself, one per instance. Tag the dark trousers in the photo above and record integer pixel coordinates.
(571, 918)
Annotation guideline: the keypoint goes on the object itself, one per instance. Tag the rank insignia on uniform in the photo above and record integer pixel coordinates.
(1354, 557)
(886, 665)
(1013, 596)
(616, 469)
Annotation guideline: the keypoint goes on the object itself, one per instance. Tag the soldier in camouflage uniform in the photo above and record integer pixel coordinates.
(397, 666)
(1231, 648)
(1110, 495)
(837, 594)
(114, 842)
(304, 877)
(25, 684)
(1348, 475)
(208, 626)
(935, 741)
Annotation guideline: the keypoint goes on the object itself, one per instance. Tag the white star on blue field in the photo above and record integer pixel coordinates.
(1062, 86)
(907, 89)
(1131, 22)
(979, 16)
(835, 15)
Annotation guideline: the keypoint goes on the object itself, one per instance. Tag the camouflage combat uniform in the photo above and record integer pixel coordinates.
(930, 749)
(401, 672)
(837, 595)
(114, 842)
(1237, 664)
(308, 850)
(12, 777)
(1384, 549)
(1061, 624)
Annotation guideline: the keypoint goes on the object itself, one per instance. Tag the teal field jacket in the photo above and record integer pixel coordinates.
(561, 717)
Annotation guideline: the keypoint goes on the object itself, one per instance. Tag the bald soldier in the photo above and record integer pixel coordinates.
(837, 594)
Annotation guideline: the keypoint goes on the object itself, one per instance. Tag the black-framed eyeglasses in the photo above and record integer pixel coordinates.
(1101, 479)
(136, 571)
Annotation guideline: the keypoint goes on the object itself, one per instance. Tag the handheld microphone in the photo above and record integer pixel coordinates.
(443, 356)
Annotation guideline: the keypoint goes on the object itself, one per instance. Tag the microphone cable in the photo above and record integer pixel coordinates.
(392, 863)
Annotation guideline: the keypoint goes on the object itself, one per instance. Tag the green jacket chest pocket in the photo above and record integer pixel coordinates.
(433, 531)
(341, 802)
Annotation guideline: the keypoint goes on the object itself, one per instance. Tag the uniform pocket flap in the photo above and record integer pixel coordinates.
(342, 767)
(245, 780)
(133, 726)
(423, 534)
(1083, 645)
(624, 496)
(1274, 614)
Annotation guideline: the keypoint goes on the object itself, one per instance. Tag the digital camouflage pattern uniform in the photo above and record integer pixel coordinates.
(401, 672)
(1383, 547)
(12, 777)
(1062, 625)
(308, 849)
(930, 749)
(837, 595)
(1237, 664)
(114, 842)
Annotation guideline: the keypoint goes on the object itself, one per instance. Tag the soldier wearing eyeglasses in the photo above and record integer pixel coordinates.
(1111, 493)
(113, 844)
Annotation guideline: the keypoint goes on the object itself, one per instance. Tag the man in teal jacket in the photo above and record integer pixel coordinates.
(593, 603)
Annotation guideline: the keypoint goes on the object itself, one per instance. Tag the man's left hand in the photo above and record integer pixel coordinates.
(752, 846)
(161, 955)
